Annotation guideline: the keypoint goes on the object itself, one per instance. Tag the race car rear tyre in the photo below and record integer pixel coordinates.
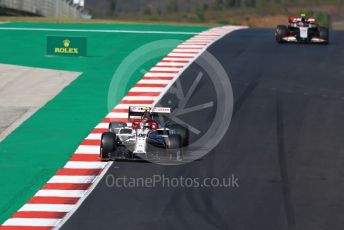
(116, 125)
(107, 145)
(174, 146)
(281, 32)
(182, 132)
(324, 34)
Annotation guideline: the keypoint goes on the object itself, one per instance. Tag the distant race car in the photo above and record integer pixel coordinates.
(302, 30)
(144, 139)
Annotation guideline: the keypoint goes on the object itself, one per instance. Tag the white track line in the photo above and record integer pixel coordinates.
(99, 126)
(179, 50)
(165, 69)
(87, 149)
(142, 98)
(177, 59)
(117, 115)
(160, 74)
(122, 106)
(98, 31)
(171, 64)
(84, 165)
(46, 207)
(144, 81)
(35, 222)
(60, 193)
(181, 55)
(193, 47)
(140, 89)
(72, 179)
(97, 136)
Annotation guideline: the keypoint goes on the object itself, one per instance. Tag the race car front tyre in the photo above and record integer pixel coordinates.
(116, 125)
(107, 145)
(281, 32)
(324, 34)
(174, 146)
(182, 132)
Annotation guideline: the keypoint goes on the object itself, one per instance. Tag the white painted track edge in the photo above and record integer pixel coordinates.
(84, 197)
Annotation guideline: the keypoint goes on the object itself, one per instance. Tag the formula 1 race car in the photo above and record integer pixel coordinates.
(144, 139)
(302, 30)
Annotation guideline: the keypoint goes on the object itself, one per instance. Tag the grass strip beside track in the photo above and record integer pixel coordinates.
(41, 145)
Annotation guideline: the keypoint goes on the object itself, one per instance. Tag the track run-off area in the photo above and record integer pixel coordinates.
(56, 201)
(33, 153)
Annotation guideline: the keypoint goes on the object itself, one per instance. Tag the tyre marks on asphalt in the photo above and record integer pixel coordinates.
(246, 94)
(286, 186)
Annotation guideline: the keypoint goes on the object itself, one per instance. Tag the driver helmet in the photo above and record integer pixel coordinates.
(145, 116)
(303, 17)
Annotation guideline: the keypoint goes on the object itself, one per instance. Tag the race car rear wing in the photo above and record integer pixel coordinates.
(295, 20)
(138, 111)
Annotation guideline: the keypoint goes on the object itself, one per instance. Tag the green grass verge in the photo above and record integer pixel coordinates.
(42, 144)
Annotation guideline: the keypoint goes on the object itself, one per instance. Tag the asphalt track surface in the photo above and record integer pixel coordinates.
(285, 144)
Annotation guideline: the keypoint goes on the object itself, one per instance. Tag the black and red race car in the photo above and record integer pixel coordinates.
(302, 30)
